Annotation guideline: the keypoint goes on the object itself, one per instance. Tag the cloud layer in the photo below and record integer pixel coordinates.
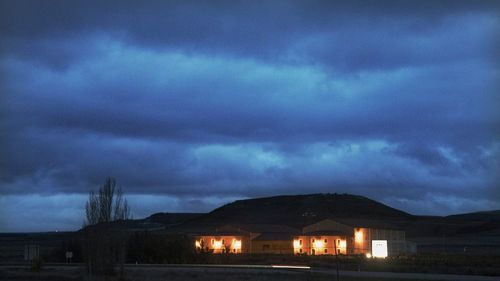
(199, 104)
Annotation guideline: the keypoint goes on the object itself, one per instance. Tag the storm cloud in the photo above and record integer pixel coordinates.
(191, 104)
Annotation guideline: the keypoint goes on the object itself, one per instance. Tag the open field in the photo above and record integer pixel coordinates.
(219, 272)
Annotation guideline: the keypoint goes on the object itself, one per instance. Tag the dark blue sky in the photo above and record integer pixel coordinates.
(191, 104)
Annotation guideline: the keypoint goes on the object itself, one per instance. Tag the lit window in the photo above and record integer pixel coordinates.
(296, 244)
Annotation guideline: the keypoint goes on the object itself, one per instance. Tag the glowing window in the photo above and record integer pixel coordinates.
(296, 244)
(197, 244)
(379, 248)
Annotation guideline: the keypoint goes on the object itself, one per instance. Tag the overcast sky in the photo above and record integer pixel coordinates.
(192, 104)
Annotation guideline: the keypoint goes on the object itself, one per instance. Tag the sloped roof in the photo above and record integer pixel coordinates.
(266, 228)
(377, 224)
(327, 233)
(274, 236)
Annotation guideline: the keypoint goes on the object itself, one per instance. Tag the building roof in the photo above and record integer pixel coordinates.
(327, 233)
(376, 224)
(266, 228)
(274, 236)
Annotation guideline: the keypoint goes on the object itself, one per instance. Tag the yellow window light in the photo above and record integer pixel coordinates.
(197, 244)
(296, 244)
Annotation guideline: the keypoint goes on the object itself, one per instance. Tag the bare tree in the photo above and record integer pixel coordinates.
(105, 245)
(107, 205)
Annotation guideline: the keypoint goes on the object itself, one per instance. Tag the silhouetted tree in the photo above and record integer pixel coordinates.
(104, 245)
(107, 205)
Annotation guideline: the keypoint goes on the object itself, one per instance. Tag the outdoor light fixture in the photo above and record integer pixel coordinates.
(368, 255)
(318, 244)
(237, 244)
(342, 244)
(358, 235)
(217, 244)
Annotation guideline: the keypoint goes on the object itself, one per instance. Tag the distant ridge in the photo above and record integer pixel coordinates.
(171, 218)
(299, 210)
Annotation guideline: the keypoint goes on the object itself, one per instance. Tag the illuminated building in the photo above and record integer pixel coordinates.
(326, 237)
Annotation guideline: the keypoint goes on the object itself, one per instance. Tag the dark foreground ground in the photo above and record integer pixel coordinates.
(219, 273)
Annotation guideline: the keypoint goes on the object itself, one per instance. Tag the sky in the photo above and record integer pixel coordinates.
(194, 104)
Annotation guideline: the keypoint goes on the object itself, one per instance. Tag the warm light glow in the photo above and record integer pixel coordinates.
(197, 244)
(379, 248)
(217, 244)
(342, 244)
(318, 244)
(368, 255)
(237, 244)
(296, 244)
(358, 236)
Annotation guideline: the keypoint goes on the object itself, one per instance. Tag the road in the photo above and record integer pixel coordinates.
(217, 268)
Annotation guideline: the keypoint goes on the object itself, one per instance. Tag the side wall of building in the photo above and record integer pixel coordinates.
(396, 244)
(272, 247)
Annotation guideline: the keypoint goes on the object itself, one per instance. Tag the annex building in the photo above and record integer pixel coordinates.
(325, 237)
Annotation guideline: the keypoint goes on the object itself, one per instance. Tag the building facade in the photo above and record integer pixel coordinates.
(325, 237)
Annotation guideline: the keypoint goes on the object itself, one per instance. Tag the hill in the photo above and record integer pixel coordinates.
(300, 210)
(170, 219)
